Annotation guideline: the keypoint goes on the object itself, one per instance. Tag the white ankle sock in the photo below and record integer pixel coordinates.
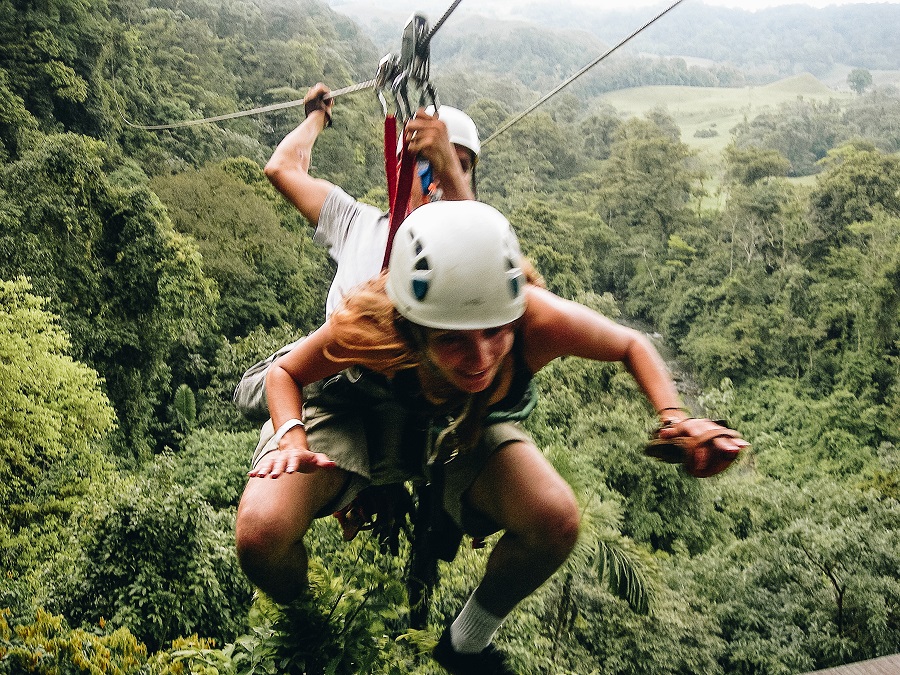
(473, 628)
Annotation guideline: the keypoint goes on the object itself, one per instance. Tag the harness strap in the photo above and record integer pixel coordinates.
(390, 157)
(401, 199)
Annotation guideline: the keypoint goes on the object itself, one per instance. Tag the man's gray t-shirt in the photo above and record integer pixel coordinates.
(356, 236)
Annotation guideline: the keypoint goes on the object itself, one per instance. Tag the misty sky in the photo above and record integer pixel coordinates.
(507, 7)
(749, 5)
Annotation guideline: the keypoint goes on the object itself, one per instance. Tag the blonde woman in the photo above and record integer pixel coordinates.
(458, 331)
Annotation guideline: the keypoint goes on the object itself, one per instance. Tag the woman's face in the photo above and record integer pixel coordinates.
(469, 359)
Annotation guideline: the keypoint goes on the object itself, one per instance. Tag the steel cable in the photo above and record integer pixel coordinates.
(546, 97)
(245, 113)
(368, 84)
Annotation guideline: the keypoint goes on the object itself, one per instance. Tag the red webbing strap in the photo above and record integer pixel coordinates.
(390, 157)
(401, 199)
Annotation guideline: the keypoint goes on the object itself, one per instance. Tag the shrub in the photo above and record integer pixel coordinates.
(48, 646)
(216, 464)
(157, 559)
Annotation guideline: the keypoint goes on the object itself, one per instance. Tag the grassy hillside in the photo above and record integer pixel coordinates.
(715, 110)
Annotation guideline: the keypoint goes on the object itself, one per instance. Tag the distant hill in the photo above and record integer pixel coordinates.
(706, 115)
(769, 43)
(538, 42)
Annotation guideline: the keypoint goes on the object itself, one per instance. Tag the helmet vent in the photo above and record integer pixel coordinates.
(514, 276)
(420, 288)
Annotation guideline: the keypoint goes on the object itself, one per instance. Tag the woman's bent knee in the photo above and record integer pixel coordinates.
(556, 521)
(263, 531)
(258, 539)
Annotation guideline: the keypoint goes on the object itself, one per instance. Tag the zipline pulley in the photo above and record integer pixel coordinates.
(405, 77)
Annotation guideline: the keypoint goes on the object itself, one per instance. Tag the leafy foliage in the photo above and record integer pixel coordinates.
(648, 180)
(265, 273)
(217, 411)
(802, 131)
(859, 79)
(807, 585)
(125, 285)
(48, 646)
(155, 558)
(53, 417)
(215, 464)
(859, 181)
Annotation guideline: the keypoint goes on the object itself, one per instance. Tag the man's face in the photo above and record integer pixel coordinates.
(465, 160)
(418, 196)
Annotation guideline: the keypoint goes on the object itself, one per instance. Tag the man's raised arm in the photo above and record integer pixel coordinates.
(288, 167)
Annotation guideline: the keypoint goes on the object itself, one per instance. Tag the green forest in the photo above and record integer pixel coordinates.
(141, 272)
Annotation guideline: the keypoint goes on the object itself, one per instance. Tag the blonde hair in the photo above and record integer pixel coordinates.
(366, 324)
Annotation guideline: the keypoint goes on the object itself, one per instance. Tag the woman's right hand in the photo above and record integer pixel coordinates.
(704, 447)
(290, 459)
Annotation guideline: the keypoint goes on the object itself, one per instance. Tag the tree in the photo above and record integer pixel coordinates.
(550, 245)
(646, 181)
(529, 160)
(859, 80)
(40, 49)
(858, 180)
(126, 286)
(151, 555)
(15, 120)
(231, 360)
(44, 643)
(749, 165)
(803, 131)
(810, 583)
(875, 116)
(266, 274)
(52, 423)
(598, 132)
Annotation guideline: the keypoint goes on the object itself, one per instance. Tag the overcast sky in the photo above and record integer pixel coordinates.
(760, 4)
(500, 7)
(749, 5)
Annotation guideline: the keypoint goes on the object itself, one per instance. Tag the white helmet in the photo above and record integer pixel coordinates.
(460, 128)
(456, 266)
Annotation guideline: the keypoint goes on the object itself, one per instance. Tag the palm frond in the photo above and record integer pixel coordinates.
(624, 575)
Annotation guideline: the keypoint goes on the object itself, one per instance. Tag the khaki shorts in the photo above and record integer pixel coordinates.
(354, 419)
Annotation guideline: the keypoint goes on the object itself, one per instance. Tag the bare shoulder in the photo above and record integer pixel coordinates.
(553, 327)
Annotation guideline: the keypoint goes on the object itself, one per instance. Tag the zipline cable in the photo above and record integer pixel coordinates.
(245, 113)
(368, 84)
(440, 22)
(581, 72)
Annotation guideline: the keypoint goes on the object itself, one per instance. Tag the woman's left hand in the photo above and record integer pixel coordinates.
(706, 447)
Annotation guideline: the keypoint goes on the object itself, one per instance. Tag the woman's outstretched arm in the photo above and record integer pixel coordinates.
(554, 327)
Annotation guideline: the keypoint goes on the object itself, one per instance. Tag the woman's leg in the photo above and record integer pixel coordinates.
(273, 516)
(522, 492)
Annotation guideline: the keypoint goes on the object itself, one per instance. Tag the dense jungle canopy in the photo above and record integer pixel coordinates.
(141, 272)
